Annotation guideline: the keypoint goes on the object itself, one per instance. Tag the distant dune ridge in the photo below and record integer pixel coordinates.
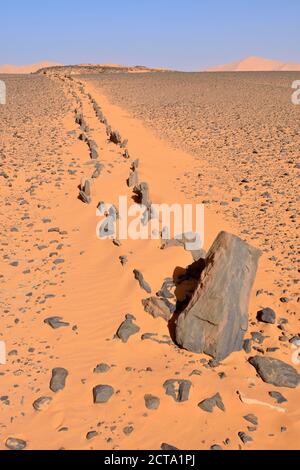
(256, 64)
(31, 68)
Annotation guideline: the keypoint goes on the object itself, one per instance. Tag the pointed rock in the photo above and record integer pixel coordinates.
(216, 318)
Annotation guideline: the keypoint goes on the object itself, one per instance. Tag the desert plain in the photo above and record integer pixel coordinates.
(71, 380)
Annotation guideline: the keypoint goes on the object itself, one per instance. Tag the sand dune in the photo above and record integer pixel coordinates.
(255, 64)
(21, 69)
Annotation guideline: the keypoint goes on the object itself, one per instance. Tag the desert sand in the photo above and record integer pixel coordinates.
(25, 69)
(256, 64)
(232, 144)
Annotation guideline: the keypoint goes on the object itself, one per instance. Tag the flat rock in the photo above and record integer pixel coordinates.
(102, 393)
(278, 397)
(127, 329)
(101, 368)
(56, 322)
(216, 318)
(275, 372)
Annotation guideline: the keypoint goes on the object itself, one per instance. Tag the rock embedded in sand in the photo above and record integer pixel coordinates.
(85, 192)
(127, 329)
(165, 446)
(56, 322)
(210, 403)
(58, 379)
(151, 402)
(102, 393)
(157, 308)
(216, 447)
(141, 192)
(140, 278)
(278, 397)
(133, 179)
(275, 372)
(15, 444)
(115, 137)
(266, 315)
(216, 318)
(179, 390)
(244, 437)
(41, 403)
(101, 368)
(252, 419)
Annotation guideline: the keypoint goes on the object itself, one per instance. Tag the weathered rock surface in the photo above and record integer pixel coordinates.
(140, 278)
(102, 393)
(157, 308)
(58, 379)
(56, 322)
(127, 329)
(216, 319)
(275, 372)
(209, 403)
(179, 390)
(266, 315)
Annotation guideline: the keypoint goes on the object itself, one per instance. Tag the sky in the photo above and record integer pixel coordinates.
(177, 34)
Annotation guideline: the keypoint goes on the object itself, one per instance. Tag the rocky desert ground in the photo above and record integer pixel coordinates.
(101, 335)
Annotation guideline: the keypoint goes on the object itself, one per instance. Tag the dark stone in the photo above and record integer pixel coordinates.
(151, 402)
(209, 404)
(275, 372)
(142, 194)
(244, 437)
(41, 403)
(252, 419)
(115, 137)
(128, 430)
(102, 393)
(266, 315)
(127, 329)
(140, 278)
(58, 379)
(216, 318)
(278, 397)
(56, 322)
(165, 446)
(15, 444)
(179, 390)
(101, 368)
(91, 434)
(247, 345)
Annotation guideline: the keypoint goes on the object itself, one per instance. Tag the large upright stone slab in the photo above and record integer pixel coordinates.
(216, 318)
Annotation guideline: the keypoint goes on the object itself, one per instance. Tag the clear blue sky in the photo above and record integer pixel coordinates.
(181, 34)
